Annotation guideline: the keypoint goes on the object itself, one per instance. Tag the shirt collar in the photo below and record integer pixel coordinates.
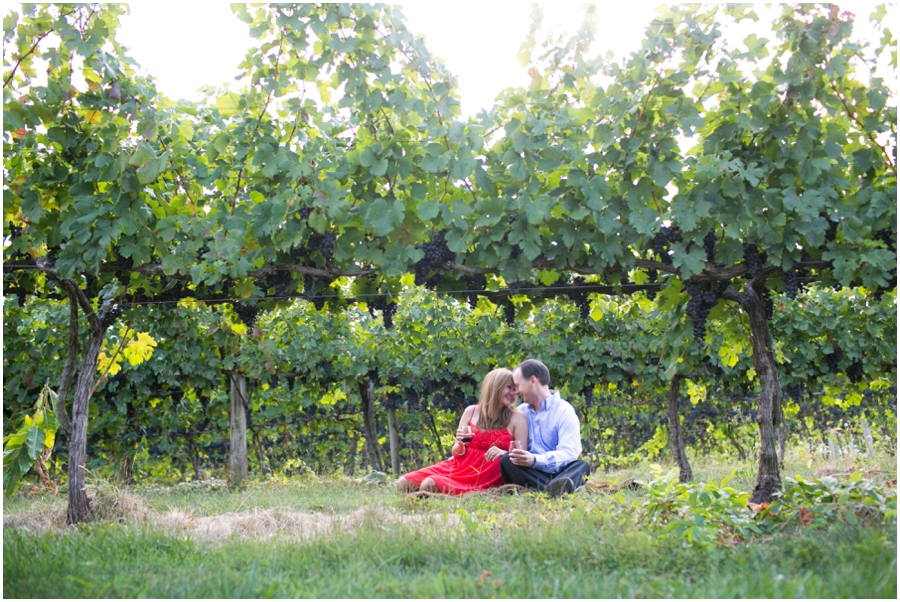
(546, 402)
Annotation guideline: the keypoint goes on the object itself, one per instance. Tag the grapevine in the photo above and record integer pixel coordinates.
(437, 253)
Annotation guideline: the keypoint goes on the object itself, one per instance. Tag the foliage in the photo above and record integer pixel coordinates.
(344, 160)
(384, 544)
(708, 515)
(32, 442)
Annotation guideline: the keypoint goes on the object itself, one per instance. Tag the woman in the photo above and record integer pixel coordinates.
(476, 465)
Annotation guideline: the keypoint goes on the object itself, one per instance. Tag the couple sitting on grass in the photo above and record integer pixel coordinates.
(535, 445)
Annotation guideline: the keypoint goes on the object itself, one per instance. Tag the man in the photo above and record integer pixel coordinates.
(551, 461)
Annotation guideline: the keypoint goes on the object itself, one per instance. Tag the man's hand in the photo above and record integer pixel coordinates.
(521, 457)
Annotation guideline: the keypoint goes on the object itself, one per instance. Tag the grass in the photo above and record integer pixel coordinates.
(518, 546)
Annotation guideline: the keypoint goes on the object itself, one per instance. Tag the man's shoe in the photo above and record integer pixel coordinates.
(560, 486)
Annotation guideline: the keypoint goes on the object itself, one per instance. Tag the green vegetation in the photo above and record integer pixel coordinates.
(381, 544)
(266, 235)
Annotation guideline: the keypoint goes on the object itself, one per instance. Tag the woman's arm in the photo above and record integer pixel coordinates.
(466, 417)
(459, 447)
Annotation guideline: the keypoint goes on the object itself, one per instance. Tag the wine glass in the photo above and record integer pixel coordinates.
(467, 434)
(514, 445)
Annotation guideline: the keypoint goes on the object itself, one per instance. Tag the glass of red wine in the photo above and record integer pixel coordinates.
(467, 434)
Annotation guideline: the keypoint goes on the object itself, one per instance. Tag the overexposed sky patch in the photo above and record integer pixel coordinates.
(185, 45)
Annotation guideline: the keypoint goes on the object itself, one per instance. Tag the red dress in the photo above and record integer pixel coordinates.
(469, 472)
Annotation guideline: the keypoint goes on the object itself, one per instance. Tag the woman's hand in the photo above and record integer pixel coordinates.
(460, 433)
(494, 453)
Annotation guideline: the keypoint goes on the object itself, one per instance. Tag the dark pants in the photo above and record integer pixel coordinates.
(538, 479)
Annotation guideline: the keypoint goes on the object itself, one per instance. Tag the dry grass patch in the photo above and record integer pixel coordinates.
(115, 505)
(259, 523)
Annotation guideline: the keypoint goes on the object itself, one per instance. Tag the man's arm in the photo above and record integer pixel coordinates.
(567, 450)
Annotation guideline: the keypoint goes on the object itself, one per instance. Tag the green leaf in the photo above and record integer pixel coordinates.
(143, 155)
(519, 170)
(34, 442)
(548, 277)
(428, 210)
(152, 170)
(379, 168)
(537, 210)
(227, 104)
(383, 216)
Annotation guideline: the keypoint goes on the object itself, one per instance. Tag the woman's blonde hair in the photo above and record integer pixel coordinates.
(494, 415)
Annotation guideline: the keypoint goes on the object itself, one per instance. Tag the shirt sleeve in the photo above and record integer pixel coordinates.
(568, 448)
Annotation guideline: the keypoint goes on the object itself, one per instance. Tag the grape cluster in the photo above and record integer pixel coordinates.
(709, 245)
(831, 232)
(246, 313)
(227, 285)
(652, 276)
(52, 254)
(588, 393)
(519, 286)
(281, 281)
(515, 251)
(20, 295)
(388, 308)
(580, 299)
(509, 312)
(392, 401)
(273, 381)
(325, 367)
(177, 395)
(305, 212)
(662, 239)
(793, 392)
(791, 285)
(204, 248)
(753, 258)
(109, 314)
(833, 359)
(171, 293)
(700, 302)
(309, 287)
(437, 253)
(290, 381)
(14, 230)
(855, 371)
(713, 368)
(475, 282)
(323, 243)
(887, 238)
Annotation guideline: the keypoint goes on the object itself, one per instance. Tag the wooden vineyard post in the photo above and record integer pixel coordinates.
(395, 441)
(238, 425)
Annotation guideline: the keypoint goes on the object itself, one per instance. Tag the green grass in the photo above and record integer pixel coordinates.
(563, 560)
(518, 546)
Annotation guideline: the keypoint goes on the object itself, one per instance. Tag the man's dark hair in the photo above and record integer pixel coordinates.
(530, 368)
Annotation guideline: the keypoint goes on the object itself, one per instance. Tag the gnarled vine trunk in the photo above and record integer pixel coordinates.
(768, 413)
(370, 432)
(676, 437)
(68, 372)
(79, 509)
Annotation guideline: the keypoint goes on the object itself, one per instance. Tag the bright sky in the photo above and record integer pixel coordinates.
(185, 45)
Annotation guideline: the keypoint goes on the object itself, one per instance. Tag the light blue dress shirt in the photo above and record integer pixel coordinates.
(554, 433)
